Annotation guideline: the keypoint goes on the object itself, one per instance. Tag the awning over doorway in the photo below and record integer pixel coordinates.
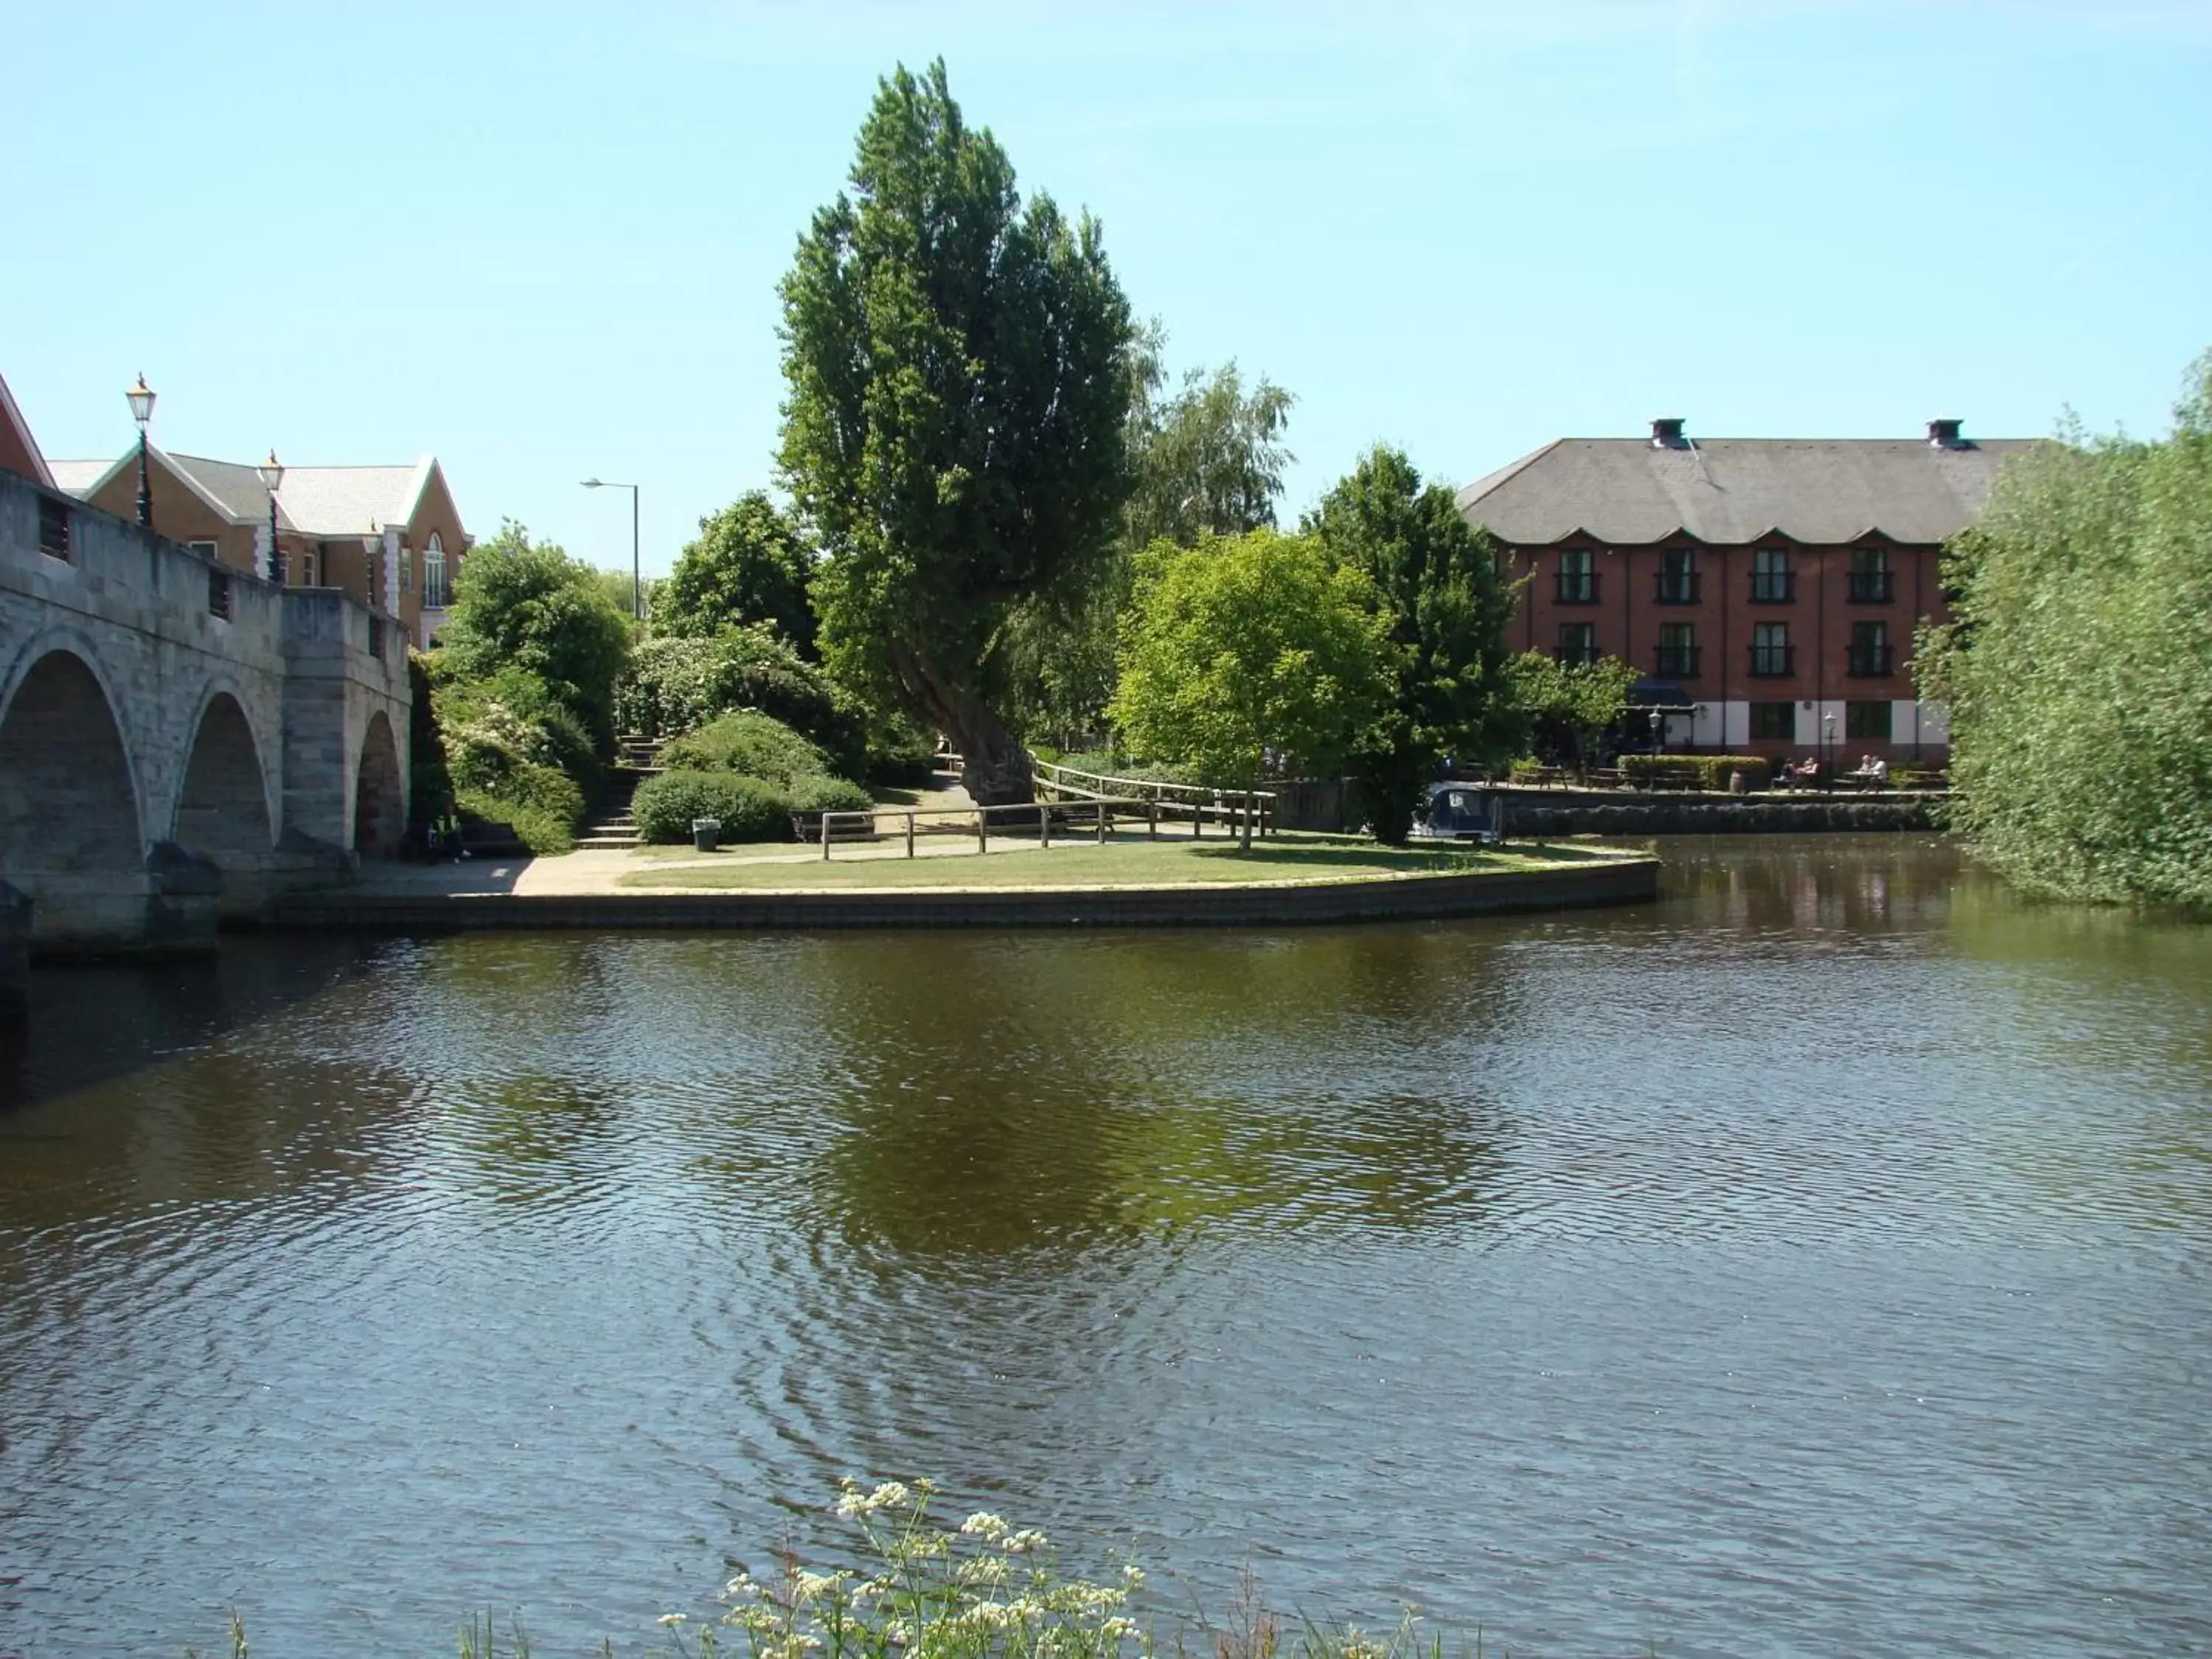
(1657, 694)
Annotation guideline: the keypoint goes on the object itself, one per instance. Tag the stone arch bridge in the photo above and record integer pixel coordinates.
(178, 740)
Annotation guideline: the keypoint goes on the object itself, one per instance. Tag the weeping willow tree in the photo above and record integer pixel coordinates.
(2078, 666)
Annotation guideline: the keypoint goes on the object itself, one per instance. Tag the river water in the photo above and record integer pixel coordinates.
(1817, 1262)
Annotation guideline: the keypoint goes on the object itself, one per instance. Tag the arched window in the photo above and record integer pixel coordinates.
(434, 575)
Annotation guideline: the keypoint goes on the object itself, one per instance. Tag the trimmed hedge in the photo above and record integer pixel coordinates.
(749, 743)
(750, 809)
(828, 795)
(1710, 771)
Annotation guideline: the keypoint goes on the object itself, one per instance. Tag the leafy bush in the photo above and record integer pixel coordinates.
(490, 727)
(749, 809)
(828, 795)
(677, 683)
(750, 743)
(523, 606)
(541, 802)
(1710, 771)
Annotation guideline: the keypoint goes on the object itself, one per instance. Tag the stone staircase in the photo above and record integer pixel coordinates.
(614, 827)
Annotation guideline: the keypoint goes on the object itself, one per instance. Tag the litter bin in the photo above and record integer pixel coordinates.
(706, 834)
(1737, 783)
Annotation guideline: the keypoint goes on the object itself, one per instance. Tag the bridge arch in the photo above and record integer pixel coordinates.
(379, 799)
(68, 805)
(222, 807)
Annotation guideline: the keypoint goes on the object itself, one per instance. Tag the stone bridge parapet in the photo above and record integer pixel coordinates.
(179, 739)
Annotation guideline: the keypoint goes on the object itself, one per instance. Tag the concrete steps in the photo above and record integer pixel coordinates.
(616, 826)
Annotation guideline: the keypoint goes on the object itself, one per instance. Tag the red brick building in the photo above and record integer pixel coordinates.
(1765, 588)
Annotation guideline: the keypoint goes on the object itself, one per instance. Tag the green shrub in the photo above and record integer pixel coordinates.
(750, 743)
(1710, 771)
(677, 683)
(828, 795)
(490, 727)
(542, 804)
(749, 809)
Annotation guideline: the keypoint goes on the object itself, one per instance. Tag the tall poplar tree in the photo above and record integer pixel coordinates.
(959, 383)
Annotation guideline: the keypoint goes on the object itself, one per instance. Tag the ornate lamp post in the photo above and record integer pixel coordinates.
(141, 410)
(1658, 731)
(636, 582)
(272, 474)
(1827, 752)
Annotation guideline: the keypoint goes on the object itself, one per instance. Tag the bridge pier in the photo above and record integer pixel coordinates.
(15, 948)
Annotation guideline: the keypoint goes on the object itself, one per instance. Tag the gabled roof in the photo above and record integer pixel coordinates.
(347, 500)
(85, 479)
(13, 417)
(311, 501)
(1821, 490)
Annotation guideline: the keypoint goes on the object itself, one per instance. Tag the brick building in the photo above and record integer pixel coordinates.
(1765, 588)
(388, 536)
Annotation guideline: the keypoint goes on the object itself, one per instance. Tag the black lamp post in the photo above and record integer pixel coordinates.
(141, 410)
(1658, 731)
(636, 582)
(272, 474)
(1827, 752)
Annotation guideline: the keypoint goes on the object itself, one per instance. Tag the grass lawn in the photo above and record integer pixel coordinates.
(1128, 863)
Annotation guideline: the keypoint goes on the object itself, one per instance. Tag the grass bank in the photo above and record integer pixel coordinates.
(1283, 859)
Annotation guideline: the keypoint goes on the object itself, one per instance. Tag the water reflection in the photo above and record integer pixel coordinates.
(1813, 1260)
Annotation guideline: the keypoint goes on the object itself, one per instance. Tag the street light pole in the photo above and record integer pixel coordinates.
(636, 580)
(141, 410)
(272, 474)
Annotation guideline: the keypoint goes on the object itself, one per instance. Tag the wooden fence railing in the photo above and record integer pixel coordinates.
(1242, 810)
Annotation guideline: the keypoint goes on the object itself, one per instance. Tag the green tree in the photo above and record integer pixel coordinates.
(749, 564)
(1561, 708)
(1245, 645)
(1207, 460)
(955, 431)
(1439, 597)
(524, 604)
(2078, 666)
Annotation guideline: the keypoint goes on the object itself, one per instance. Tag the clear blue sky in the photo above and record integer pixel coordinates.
(542, 241)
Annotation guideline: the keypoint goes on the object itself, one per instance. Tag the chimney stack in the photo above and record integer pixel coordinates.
(1943, 434)
(1667, 432)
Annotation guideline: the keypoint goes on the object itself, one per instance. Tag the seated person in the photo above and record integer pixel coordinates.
(1877, 770)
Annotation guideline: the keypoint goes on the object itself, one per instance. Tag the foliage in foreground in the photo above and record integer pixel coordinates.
(2078, 667)
(1245, 647)
(987, 1590)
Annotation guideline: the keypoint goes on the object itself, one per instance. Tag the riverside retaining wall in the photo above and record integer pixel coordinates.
(1530, 812)
(1609, 881)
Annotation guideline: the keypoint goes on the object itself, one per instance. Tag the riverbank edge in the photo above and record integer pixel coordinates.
(1555, 813)
(1628, 878)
